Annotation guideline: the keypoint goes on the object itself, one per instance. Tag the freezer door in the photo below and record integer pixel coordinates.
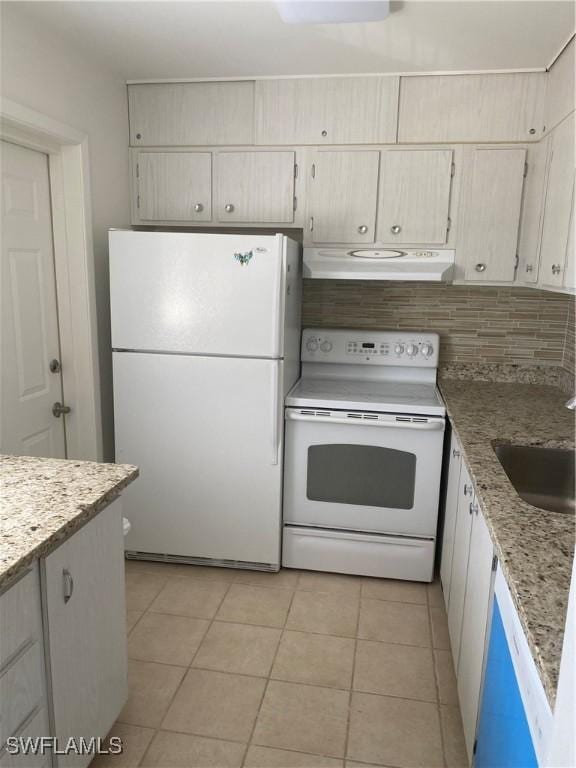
(206, 434)
(197, 293)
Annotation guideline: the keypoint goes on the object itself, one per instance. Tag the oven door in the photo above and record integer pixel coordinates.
(363, 471)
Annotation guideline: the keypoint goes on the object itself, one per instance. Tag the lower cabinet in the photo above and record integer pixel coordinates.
(450, 512)
(86, 622)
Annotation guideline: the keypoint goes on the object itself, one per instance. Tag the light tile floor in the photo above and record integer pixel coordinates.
(290, 670)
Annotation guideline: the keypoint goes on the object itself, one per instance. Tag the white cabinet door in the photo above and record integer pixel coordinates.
(459, 573)
(343, 191)
(327, 110)
(558, 206)
(414, 197)
(560, 90)
(570, 271)
(450, 512)
(532, 212)
(86, 619)
(174, 186)
(489, 220)
(443, 108)
(474, 626)
(255, 187)
(181, 114)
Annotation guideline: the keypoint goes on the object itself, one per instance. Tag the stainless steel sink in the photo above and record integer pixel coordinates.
(544, 477)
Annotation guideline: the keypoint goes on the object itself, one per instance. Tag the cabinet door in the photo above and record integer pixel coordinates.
(84, 595)
(474, 626)
(343, 191)
(327, 110)
(558, 206)
(462, 531)
(174, 186)
(445, 108)
(414, 196)
(570, 272)
(560, 90)
(255, 186)
(532, 212)
(487, 240)
(450, 511)
(184, 114)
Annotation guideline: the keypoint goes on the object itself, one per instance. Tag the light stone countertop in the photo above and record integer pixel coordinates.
(535, 548)
(44, 501)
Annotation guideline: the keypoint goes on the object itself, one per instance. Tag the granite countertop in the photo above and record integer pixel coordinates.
(534, 547)
(44, 501)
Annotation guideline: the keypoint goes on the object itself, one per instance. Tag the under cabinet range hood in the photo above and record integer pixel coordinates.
(378, 264)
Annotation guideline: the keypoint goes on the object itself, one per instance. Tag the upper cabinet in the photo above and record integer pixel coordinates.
(327, 110)
(343, 191)
(489, 213)
(188, 114)
(560, 90)
(475, 108)
(414, 196)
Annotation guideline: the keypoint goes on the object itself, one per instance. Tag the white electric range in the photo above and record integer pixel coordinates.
(363, 454)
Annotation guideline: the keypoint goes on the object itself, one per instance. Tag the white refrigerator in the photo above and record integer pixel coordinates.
(205, 338)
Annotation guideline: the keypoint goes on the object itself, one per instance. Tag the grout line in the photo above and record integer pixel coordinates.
(436, 681)
(349, 719)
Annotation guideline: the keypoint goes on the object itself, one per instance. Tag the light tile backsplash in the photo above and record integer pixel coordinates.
(477, 324)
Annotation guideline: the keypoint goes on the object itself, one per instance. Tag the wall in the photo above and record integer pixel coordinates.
(476, 324)
(44, 73)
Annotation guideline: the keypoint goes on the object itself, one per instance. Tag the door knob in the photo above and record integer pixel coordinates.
(396, 229)
(362, 229)
(58, 409)
(198, 207)
(229, 208)
(480, 267)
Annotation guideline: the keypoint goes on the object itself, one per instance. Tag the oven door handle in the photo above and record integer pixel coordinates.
(421, 425)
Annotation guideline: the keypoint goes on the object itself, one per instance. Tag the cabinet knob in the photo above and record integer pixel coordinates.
(362, 229)
(67, 585)
(138, 135)
(396, 229)
(480, 267)
(324, 133)
(455, 453)
(529, 268)
(198, 207)
(556, 269)
(228, 207)
(532, 131)
(467, 490)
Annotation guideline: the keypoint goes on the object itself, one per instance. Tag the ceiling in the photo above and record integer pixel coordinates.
(149, 40)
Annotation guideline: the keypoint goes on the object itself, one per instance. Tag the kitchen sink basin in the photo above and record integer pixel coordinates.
(544, 477)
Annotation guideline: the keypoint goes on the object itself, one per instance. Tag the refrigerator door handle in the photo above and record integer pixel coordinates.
(274, 399)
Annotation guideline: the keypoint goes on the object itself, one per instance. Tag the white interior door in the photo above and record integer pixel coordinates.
(29, 312)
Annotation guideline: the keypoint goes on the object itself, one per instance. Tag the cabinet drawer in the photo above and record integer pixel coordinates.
(20, 616)
(36, 728)
(21, 690)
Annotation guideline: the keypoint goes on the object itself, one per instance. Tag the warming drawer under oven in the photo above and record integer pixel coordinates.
(362, 472)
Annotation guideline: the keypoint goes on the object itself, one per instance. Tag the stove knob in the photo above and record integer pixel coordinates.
(311, 345)
(326, 346)
(411, 350)
(427, 350)
(399, 348)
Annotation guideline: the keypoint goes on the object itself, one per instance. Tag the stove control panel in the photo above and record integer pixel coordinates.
(391, 348)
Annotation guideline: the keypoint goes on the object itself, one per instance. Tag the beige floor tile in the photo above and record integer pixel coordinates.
(190, 597)
(245, 604)
(315, 659)
(142, 588)
(304, 718)
(150, 691)
(317, 581)
(395, 670)
(166, 639)
(454, 744)
(352, 764)
(239, 648)
(389, 731)
(287, 578)
(135, 741)
(440, 634)
(206, 573)
(394, 622)
(329, 614)
(435, 594)
(446, 678)
(266, 757)
(215, 704)
(396, 591)
(131, 618)
(179, 750)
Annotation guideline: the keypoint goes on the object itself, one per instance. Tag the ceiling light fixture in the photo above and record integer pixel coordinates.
(332, 11)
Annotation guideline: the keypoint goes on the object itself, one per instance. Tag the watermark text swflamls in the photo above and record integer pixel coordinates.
(42, 745)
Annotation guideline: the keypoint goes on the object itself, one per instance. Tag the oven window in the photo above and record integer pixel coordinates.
(365, 475)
